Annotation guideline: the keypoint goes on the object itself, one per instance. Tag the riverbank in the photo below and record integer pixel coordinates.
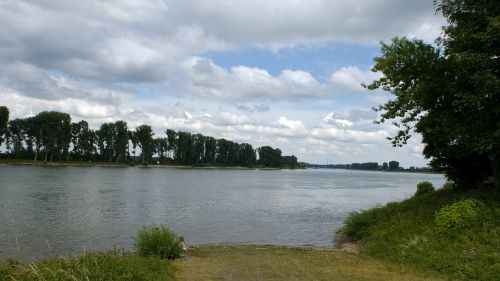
(453, 232)
(122, 165)
(219, 262)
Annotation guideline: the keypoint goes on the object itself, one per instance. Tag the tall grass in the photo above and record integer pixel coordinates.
(412, 232)
(158, 241)
(113, 265)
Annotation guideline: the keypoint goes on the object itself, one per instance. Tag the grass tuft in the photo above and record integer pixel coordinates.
(158, 241)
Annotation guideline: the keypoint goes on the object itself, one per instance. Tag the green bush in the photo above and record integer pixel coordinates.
(448, 186)
(159, 241)
(357, 223)
(461, 214)
(424, 187)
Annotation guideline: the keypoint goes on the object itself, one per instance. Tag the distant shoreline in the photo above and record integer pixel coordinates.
(123, 165)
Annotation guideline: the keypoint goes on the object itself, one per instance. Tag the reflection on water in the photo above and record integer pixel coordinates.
(68, 208)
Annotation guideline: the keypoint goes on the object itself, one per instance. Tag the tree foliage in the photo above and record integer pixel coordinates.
(4, 118)
(449, 93)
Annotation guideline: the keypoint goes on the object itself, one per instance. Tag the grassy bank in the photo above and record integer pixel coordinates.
(110, 266)
(218, 263)
(457, 233)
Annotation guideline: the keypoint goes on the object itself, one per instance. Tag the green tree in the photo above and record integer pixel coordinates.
(247, 155)
(210, 150)
(4, 118)
(16, 129)
(222, 156)
(449, 93)
(393, 165)
(198, 143)
(55, 133)
(34, 134)
(121, 140)
(172, 142)
(184, 148)
(144, 136)
(106, 141)
(269, 157)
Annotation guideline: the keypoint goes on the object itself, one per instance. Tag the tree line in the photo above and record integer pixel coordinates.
(50, 136)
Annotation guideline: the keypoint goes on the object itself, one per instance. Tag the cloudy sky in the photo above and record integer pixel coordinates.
(284, 73)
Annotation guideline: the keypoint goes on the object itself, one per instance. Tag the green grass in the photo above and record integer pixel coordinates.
(409, 232)
(110, 266)
(273, 263)
(218, 263)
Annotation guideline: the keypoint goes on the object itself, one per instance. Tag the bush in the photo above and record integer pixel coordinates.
(159, 241)
(424, 187)
(357, 223)
(448, 186)
(461, 214)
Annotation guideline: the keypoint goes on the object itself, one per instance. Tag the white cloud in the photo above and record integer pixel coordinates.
(290, 124)
(351, 78)
(204, 78)
(142, 41)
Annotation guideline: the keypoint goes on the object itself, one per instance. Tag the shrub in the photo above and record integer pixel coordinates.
(159, 241)
(357, 223)
(424, 187)
(448, 186)
(461, 214)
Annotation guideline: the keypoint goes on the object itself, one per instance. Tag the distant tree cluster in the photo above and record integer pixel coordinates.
(372, 166)
(51, 135)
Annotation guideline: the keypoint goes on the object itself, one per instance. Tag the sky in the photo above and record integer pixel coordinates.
(284, 73)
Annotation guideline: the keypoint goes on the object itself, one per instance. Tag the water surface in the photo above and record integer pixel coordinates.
(61, 210)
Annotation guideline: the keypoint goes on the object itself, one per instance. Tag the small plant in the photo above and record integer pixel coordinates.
(159, 241)
(424, 187)
(448, 186)
(461, 214)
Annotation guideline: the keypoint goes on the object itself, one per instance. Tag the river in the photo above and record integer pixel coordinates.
(47, 211)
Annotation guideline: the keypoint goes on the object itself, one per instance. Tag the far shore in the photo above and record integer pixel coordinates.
(171, 166)
(125, 165)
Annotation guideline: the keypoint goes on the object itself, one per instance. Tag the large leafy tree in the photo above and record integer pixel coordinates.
(16, 129)
(106, 141)
(121, 140)
(269, 157)
(449, 93)
(55, 133)
(144, 137)
(4, 118)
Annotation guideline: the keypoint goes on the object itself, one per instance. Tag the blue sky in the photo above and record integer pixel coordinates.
(318, 60)
(279, 73)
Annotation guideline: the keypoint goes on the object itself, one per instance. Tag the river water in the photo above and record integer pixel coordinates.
(47, 210)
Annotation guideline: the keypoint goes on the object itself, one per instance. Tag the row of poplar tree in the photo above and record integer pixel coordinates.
(51, 135)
